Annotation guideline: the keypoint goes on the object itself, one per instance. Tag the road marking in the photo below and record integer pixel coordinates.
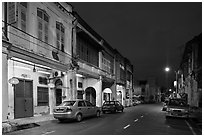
(126, 126)
(135, 120)
(142, 116)
(190, 127)
(48, 132)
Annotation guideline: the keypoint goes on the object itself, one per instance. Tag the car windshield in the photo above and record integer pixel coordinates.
(109, 103)
(175, 102)
(67, 103)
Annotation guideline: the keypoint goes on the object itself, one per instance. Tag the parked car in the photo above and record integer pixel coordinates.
(177, 107)
(136, 102)
(165, 105)
(112, 106)
(76, 109)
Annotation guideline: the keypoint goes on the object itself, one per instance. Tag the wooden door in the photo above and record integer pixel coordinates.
(23, 99)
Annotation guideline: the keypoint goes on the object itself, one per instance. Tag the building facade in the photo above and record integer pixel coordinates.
(37, 56)
(129, 82)
(149, 91)
(120, 77)
(50, 54)
(189, 76)
(95, 59)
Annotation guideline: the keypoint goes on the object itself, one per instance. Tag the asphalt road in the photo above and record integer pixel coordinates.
(144, 119)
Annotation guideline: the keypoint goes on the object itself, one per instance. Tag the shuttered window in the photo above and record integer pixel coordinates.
(60, 32)
(43, 23)
(122, 72)
(87, 51)
(17, 12)
(43, 96)
(106, 65)
(23, 15)
(79, 94)
(42, 80)
(12, 13)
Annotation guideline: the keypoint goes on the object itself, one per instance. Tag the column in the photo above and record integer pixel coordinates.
(99, 100)
(4, 86)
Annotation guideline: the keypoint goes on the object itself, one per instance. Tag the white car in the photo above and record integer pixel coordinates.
(75, 109)
(177, 108)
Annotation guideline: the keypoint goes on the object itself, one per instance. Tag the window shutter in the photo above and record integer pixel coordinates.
(23, 20)
(12, 12)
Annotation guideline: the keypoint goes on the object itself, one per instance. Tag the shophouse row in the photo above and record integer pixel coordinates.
(50, 54)
(189, 74)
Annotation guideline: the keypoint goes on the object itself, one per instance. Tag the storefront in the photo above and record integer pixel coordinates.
(29, 89)
(121, 94)
(89, 88)
(107, 94)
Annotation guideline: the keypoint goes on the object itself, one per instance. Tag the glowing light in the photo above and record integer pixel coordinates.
(79, 75)
(167, 69)
(44, 72)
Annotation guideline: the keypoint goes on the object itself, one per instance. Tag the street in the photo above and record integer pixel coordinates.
(143, 119)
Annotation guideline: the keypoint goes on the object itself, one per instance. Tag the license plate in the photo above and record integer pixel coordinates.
(59, 116)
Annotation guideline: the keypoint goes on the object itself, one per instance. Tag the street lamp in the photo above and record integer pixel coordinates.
(176, 82)
(167, 69)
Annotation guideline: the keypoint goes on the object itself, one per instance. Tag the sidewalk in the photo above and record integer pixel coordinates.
(23, 123)
(196, 116)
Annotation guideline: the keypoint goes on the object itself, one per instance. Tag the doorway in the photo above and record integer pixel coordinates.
(58, 91)
(23, 99)
(58, 96)
(90, 93)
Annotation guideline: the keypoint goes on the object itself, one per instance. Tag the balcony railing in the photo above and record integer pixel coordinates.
(88, 67)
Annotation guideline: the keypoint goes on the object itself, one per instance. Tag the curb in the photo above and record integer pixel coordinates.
(6, 127)
(196, 126)
(10, 127)
(14, 126)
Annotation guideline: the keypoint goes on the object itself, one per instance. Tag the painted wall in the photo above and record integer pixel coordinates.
(97, 85)
(16, 69)
(27, 42)
(4, 87)
(122, 89)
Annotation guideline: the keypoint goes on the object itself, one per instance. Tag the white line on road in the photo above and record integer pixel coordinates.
(48, 132)
(126, 126)
(135, 120)
(142, 116)
(190, 127)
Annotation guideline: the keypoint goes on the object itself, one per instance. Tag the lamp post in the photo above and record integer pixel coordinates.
(167, 69)
(176, 81)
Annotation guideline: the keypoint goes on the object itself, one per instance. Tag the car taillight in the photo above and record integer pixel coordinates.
(186, 111)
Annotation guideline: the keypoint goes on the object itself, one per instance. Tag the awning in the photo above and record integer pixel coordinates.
(107, 90)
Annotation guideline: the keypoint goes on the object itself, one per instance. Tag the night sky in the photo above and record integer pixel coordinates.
(150, 34)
